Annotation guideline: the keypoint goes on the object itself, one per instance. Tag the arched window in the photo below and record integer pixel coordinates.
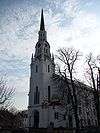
(70, 121)
(49, 93)
(36, 96)
(48, 68)
(36, 119)
(68, 98)
(46, 51)
(36, 68)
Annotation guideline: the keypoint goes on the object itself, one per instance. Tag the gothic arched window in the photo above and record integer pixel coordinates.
(49, 93)
(36, 68)
(36, 119)
(70, 121)
(46, 51)
(36, 96)
(48, 68)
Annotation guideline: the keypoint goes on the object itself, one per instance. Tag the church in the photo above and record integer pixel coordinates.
(42, 68)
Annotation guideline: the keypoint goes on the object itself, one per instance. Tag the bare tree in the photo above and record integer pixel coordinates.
(92, 70)
(6, 93)
(68, 57)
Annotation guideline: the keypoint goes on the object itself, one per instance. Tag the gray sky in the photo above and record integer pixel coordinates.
(69, 23)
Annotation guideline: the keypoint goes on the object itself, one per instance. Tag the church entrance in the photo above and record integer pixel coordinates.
(36, 119)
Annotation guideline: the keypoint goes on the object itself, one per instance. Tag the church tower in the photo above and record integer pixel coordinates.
(42, 67)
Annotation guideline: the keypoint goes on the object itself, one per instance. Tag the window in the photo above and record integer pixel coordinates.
(68, 98)
(48, 68)
(70, 121)
(36, 96)
(49, 93)
(36, 119)
(56, 115)
(52, 124)
(36, 68)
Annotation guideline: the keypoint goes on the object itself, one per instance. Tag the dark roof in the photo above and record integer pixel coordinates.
(77, 83)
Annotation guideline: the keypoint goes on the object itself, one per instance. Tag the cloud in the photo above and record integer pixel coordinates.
(83, 33)
(21, 100)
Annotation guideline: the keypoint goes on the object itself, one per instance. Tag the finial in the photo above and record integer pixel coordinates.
(42, 27)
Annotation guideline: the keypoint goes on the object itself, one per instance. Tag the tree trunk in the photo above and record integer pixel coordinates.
(75, 103)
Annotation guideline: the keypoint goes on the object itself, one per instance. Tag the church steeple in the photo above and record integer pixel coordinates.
(42, 47)
(42, 26)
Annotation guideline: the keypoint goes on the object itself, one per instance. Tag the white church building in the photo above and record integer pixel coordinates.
(42, 89)
(41, 85)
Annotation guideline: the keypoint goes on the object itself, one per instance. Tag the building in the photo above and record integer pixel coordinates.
(42, 90)
(41, 85)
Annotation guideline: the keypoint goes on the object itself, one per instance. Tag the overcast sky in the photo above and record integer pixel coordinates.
(69, 23)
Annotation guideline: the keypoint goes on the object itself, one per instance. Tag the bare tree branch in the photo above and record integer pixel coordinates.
(68, 58)
(6, 92)
(92, 76)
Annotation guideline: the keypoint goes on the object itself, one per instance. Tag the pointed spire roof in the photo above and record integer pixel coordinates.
(42, 26)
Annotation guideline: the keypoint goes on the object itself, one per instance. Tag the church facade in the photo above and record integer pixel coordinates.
(41, 85)
(42, 89)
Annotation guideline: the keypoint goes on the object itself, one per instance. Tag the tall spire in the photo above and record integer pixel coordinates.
(42, 27)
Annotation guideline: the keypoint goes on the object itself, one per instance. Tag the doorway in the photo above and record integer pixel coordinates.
(36, 119)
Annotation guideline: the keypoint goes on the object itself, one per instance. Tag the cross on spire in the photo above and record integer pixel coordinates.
(42, 26)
